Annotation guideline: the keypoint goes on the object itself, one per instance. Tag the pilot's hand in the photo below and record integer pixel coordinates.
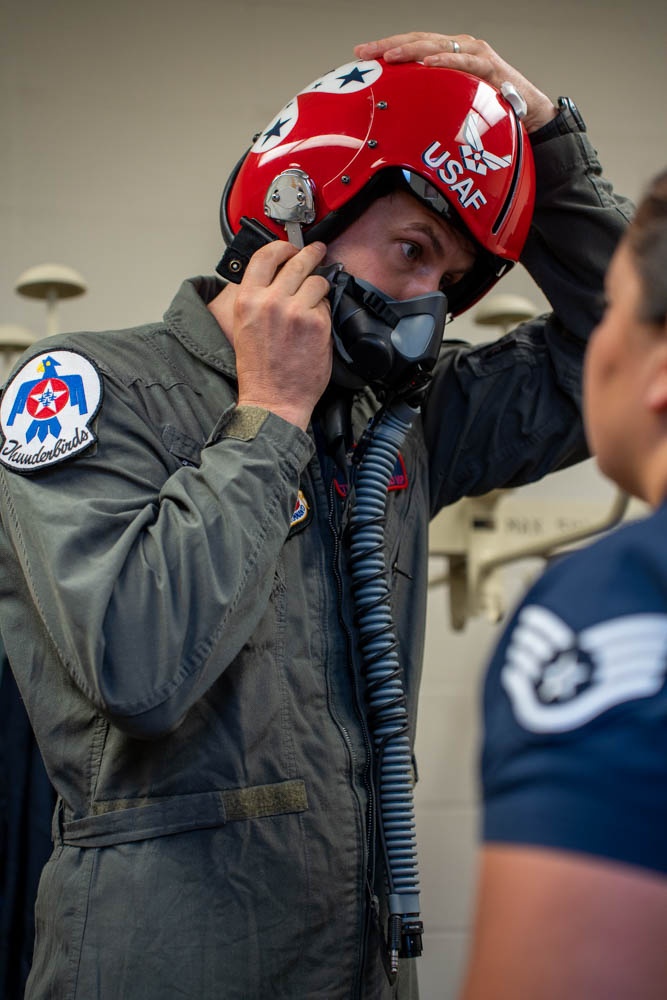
(463, 52)
(282, 331)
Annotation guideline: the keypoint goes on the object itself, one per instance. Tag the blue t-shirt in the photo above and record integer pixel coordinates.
(575, 705)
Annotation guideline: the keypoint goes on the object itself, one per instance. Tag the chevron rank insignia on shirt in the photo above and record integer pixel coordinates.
(46, 410)
(558, 679)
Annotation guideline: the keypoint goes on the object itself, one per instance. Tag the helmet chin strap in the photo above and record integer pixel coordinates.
(334, 413)
(251, 236)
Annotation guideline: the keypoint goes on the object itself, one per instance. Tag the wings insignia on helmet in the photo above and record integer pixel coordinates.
(475, 157)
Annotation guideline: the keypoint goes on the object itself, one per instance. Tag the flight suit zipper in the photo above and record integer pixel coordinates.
(337, 526)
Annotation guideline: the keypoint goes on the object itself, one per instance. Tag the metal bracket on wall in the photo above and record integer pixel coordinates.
(479, 535)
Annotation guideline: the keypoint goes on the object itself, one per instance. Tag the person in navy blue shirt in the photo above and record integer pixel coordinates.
(572, 892)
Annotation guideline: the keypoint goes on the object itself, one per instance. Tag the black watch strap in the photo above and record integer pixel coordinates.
(567, 120)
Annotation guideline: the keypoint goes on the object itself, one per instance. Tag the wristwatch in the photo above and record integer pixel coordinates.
(567, 120)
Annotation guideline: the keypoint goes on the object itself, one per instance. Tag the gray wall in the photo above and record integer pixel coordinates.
(119, 125)
(120, 122)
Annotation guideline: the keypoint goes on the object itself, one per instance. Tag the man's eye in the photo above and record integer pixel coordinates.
(411, 251)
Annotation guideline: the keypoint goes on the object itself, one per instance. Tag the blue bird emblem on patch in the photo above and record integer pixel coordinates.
(45, 397)
(46, 410)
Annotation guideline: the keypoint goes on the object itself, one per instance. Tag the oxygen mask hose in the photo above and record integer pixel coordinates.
(388, 718)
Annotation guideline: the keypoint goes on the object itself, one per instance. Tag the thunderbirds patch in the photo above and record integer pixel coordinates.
(47, 409)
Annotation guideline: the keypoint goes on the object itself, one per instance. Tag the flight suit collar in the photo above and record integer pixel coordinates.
(196, 328)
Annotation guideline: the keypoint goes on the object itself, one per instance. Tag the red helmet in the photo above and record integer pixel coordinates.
(367, 127)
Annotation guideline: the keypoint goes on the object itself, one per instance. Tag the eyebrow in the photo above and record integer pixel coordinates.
(428, 230)
(431, 232)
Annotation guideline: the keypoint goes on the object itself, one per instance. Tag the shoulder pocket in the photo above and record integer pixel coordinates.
(182, 446)
(512, 349)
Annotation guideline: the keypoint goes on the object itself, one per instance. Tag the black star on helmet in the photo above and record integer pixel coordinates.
(355, 75)
(275, 129)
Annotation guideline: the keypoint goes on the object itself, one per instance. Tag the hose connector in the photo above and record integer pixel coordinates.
(404, 938)
(411, 936)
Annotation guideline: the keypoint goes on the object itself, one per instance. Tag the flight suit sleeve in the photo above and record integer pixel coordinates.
(147, 574)
(507, 413)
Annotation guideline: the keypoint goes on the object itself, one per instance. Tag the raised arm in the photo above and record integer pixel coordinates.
(507, 413)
